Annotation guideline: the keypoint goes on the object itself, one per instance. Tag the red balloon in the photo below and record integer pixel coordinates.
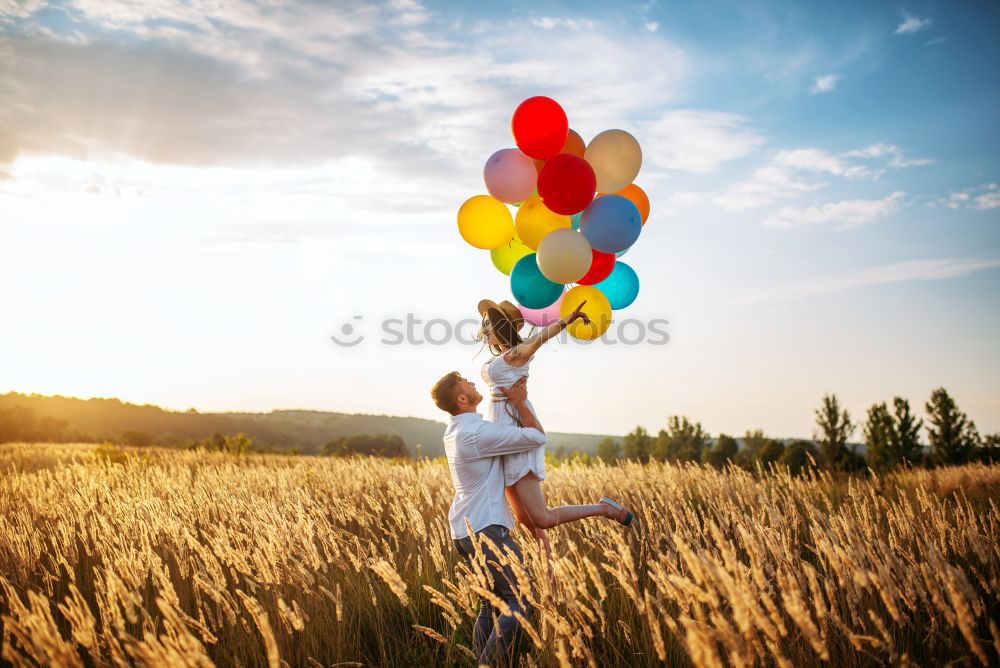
(600, 268)
(540, 127)
(567, 184)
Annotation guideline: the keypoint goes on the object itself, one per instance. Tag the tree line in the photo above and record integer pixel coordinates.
(378, 445)
(891, 437)
(890, 431)
(21, 424)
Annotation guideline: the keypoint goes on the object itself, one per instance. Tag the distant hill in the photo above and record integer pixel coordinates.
(308, 431)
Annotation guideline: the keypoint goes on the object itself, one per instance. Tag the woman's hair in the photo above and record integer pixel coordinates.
(502, 327)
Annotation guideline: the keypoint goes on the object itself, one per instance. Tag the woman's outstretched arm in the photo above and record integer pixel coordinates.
(522, 352)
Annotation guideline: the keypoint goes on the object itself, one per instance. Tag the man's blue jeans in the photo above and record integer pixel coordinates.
(498, 645)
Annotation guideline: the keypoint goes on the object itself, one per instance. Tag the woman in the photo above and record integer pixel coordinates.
(524, 472)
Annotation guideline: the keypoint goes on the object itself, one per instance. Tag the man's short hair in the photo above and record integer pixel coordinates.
(445, 392)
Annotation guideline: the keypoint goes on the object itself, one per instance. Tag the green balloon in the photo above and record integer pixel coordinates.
(505, 257)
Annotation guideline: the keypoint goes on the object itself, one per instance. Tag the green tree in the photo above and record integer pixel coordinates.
(239, 444)
(799, 456)
(379, 445)
(770, 452)
(952, 435)
(878, 428)
(835, 428)
(989, 449)
(906, 433)
(892, 439)
(722, 452)
(21, 423)
(636, 445)
(609, 450)
(682, 441)
(136, 438)
(753, 441)
(17, 423)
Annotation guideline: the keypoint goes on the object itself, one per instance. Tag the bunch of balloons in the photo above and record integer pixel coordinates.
(577, 212)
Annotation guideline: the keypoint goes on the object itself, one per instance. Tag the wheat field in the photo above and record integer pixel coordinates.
(112, 556)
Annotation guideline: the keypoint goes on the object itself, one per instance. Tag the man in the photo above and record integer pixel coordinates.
(473, 447)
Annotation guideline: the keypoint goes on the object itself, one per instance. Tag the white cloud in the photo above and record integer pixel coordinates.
(825, 83)
(892, 154)
(846, 213)
(552, 22)
(982, 197)
(784, 175)
(989, 200)
(651, 26)
(199, 82)
(766, 185)
(896, 272)
(817, 160)
(912, 23)
(408, 12)
(18, 9)
(698, 141)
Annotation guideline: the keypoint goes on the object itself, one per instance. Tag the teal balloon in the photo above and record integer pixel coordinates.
(530, 288)
(621, 287)
(574, 220)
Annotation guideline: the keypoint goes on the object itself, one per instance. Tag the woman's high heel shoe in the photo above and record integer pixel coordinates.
(630, 519)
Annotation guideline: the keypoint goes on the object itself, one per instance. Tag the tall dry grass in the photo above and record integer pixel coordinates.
(161, 557)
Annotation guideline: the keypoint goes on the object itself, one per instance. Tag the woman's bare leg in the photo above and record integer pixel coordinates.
(531, 499)
(520, 513)
(525, 519)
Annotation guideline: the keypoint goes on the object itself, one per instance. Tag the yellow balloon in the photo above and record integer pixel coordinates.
(485, 222)
(616, 158)
(597, 308)
(534, 220)
(505, 257)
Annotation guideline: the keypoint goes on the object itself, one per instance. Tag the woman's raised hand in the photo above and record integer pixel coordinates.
(578, 314)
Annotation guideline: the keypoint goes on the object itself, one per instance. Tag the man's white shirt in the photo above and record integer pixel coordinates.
(473, 447)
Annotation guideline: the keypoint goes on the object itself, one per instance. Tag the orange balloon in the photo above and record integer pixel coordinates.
(574, 146)
(637, 196)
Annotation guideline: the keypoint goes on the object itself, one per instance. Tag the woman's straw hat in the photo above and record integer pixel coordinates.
(506, 310)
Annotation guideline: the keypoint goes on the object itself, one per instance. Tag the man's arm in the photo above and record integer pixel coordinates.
(496, 439)
(500, 439)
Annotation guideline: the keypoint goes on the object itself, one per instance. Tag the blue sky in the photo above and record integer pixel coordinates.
(194, 196)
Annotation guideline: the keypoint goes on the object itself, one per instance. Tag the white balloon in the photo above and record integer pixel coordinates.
(564, 256)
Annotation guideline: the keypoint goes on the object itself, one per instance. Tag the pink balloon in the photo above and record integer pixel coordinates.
(510, 175)
(540, 317)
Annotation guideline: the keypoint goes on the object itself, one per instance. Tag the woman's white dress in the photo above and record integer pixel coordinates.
(498, 373)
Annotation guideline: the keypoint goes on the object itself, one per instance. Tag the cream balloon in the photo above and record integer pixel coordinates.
(616, 158)
(564, 256)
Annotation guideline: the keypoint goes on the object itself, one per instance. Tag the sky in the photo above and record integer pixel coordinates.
(195, 196)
